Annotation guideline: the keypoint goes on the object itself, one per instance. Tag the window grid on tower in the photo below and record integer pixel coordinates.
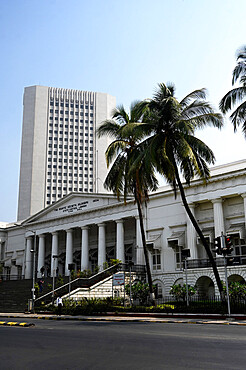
(83, 107)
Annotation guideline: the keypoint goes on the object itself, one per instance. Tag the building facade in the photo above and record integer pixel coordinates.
(90, 229)
(60, 152)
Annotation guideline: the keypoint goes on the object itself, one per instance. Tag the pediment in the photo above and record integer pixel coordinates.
(72, 204)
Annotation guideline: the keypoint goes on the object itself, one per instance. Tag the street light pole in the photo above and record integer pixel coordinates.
(53, 282)
(186, 283)
(34, 250)
(34, 269)
(130, 264)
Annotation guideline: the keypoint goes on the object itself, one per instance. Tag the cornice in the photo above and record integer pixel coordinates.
(72, 218)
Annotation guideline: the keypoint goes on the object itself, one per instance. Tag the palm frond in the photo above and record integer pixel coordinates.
(240, 68)
(163, 91)
(204, 120)
(231, 98)
(197, 107)
(114, 149)
(108, 128)
(196, 94)
(120, 115)
(201, 149)
(238, 117)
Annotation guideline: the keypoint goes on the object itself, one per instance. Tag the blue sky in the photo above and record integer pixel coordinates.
(124, 48)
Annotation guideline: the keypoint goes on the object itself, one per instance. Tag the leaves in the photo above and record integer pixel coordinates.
(139, 290)
(179, 291)
(235, 96)
(171, 128)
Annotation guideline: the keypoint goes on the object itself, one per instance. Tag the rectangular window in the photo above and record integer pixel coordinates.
(156, 258)
(178, 259)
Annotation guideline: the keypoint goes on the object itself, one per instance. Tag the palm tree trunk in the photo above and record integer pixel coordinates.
(199, 232)
(140, 213)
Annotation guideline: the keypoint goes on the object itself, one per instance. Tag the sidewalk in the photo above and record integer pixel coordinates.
(129, 318)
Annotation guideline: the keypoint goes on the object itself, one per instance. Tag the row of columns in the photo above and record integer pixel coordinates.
(219, 224)
(120, 249)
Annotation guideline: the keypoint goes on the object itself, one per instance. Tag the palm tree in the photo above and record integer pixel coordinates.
(122, 179)
(172, 147)
(236, 95)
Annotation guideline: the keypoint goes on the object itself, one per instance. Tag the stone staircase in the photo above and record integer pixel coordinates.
(14, 295)
(102, 289)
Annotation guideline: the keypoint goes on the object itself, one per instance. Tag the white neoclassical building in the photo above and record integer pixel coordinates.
(89, 229)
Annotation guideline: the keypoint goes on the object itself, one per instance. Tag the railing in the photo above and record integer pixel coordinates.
(202, 304)
(139, 269)
(7, 277)
(204, 262)
(90, 281)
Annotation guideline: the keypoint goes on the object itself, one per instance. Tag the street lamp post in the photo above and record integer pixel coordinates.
(185, 253)
(130, 264)
(34, 268)
(34, 250)
(53, 281)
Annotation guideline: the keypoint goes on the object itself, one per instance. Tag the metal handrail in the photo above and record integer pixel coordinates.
(92, 280)
(88, 282)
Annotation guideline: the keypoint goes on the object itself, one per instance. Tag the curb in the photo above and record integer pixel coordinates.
(138, 319)
(120, 319)
(15, 323)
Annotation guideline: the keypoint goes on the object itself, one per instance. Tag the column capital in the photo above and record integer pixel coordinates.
(29, 237)
(54, 233)
(69, 231)
(119, 221)
(41, 236)
(84, 227)
(243, 195)
(216, 200)
(102, 224)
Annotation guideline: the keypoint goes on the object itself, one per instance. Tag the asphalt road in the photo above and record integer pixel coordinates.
(110, 345)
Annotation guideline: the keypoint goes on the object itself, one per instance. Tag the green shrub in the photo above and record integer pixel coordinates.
(179, 291)
(139, 290)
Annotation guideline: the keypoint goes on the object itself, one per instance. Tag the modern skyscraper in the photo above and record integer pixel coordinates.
(60, 152)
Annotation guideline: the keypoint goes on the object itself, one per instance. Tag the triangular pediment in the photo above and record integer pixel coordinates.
(73, 203)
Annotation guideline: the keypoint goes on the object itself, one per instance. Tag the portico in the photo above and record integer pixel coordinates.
(85, 238)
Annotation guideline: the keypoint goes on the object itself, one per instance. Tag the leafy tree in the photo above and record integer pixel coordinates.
(237, 95)
(179, 291)
(122, 178)
(139, 290)
(236, 289)
(172, 147)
